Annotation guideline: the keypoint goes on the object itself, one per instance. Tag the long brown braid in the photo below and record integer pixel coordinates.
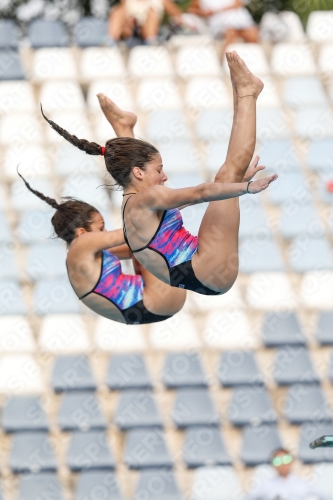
(121, 154)
(70, 215)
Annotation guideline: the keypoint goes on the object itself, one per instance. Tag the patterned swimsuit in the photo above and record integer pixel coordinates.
(124, 291)
(177, 247)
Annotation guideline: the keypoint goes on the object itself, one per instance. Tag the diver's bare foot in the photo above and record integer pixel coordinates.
(245, 83)
(123, 122)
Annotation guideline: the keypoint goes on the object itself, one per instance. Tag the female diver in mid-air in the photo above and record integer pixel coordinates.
(153, 226)
(95, 272)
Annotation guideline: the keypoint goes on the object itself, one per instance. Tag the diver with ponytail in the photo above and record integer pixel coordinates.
(153, 225)
(94, 269)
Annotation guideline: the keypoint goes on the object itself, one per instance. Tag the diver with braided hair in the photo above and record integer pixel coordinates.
(153, 226)
(94, 269)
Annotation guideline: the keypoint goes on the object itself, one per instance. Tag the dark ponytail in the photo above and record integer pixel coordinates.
(70, 215)
(121, 154)
(91, 148)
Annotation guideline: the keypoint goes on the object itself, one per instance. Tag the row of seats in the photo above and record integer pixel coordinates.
(33, 452)
(265, 291)
(287, 59)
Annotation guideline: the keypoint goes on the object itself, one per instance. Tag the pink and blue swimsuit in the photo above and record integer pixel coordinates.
(125, 291)
(177, 247)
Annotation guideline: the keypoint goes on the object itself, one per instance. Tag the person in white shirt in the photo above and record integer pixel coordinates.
(226, 18)
(284, 484)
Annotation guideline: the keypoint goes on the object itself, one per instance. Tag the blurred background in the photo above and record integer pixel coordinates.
(191, 408)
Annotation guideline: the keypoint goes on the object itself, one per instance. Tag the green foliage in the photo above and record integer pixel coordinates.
(302, 7)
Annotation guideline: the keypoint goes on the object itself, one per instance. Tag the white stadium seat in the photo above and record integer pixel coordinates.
(16, 96)
(146, 62)
(229, 329)
(178, 333)
(206, 93)
(314, 123)
(325, 59)
(63, 95)
(253, 55)
(20, 374)
(316, 290)
(89, 188)
(32, 159)
(75, 122)
(291, 59)
(19, 129)
(63, 334)
(117, 337)
(115, 89)
(54, 63)
(320, 26)
(22, 199)
(294, 25)
(101, 62)
(159, 93)
(197, 61)
(269, 97)
(270, 291)
(16, 335)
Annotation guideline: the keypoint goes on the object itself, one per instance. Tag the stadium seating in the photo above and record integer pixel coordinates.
(93, 409)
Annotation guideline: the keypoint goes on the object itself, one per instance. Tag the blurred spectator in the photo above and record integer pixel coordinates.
(143, 15)
(227, 18)
(283, 485)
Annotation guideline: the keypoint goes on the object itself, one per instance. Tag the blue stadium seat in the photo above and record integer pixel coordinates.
(253, 222)
(32, 452)
(260, 255)
(238, 368)
(320, 155)
(204, 446)
(214, 125)
(324, 328)
(290, 187)
(157, 485)
(216, 154)
(80, 411)
(34, 226)
(24, 413)
(43, 33)
(33, 486)
(309, 432)
(296, 219)
(137, 408)
(72, 373)
(194, 407)
(183, 369)
(46, 260)
(90, 32)
(306, 403)
(97, 484)
(314, 123)
(271, 124)
(293, 365)
(258, 443)
(330, 367)
(282, 328)
(309, 254)
(167, 126)
(279, 156)
(89, 451)
(9, 34)
(146, 448)
(251, 406)
(11, 298)
(55, 296)
(302, 91)
(10, 65)
(128, 371)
